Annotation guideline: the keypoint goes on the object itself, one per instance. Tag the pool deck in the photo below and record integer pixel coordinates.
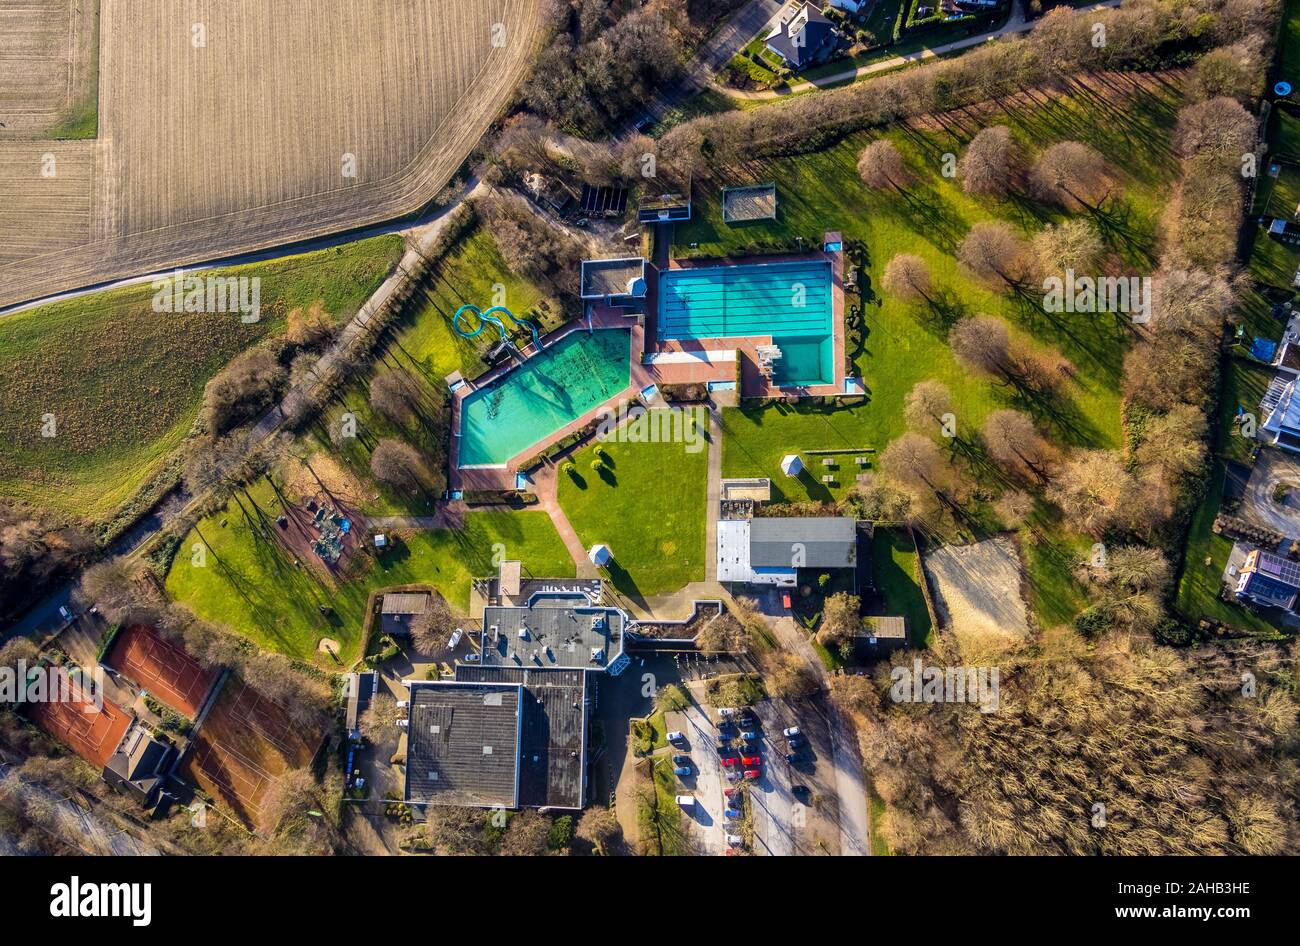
(752, 381)
(642, 375)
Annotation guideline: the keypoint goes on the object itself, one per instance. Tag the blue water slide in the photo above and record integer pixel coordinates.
(491, 315)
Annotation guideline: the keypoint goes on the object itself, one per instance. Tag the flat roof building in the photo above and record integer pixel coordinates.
(564, 631)
(770, 550)
(553, 734)
(463, 743)
(613, 279)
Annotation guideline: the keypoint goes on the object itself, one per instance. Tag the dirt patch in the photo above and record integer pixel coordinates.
(977, 594)
(323, 473)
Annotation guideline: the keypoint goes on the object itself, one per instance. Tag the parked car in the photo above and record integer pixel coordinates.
(686, 801)
(753, 774)
(800, 791)
(675, 737)
(792, 757)
(792, 731)
(793, 741)
(749, 735)
(735, 840)
(751, 760)
(682, 770)
(729, 762)
(471, 658)
(65, 613)
(732, 813)
(726, 712)
(681, 760)
(455, 639)
(728, 793)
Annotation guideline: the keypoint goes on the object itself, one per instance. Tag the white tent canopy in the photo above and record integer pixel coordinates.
(791, 465)
(600, 555)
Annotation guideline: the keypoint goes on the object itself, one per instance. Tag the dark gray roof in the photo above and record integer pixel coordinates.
(137, 765)
(552, 751)
(808, 542)
(557, 633)
(463, 744)
(815, 34)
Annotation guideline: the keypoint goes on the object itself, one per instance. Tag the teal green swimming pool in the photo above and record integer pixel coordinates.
(789, 301)
(546, 392)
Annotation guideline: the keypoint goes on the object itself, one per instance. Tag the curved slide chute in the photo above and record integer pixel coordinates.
(492, 316)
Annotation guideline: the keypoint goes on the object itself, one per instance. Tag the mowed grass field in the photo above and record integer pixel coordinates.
(124, 384)
(906, 343)
(252, 585)
(649, 506)
(49, 55)
(332, 114)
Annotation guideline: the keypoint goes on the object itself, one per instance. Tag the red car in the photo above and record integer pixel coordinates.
(751, 760)
(752, 774)
(728, 792)
(729, 761)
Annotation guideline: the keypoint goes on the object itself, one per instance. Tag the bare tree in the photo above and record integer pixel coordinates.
(916, 462)
(1073, 244)
(1014, 442)
(841, 620)
(927, 404)
(115, 586)
(907, 276)
(1014, 507)
(1071, 174)
(1227, 71)
(991, 163)
(723, 635)
(880, 165)
(599, 827)
(1095, 492)
(431, 629)
(398, 465)
(396, 395)
(1218, 127)
(378, 724)
(526, 836)
(984, 343)
(247, 385)
(1174, 443)
(991, 252)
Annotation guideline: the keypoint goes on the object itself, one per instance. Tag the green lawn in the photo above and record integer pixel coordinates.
(648, 506)
(756, 436)
(125, 383)
(253, 586)
(895, 568)
(472, 272)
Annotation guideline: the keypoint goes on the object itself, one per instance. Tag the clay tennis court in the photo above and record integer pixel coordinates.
(243, 746)
(162, 668)
(92, 735)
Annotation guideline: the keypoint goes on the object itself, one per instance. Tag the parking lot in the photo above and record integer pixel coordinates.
(784, 821)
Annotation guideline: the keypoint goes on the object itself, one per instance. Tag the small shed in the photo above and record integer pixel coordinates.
(600, 555)
(791, 465)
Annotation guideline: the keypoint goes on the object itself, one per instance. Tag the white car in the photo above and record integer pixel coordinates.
(676, 736)
(726, 712)
(686, 801)
(735, 840)
(792, 731)
(456, 635)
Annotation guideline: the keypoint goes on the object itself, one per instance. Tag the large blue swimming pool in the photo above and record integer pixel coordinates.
(789, 301)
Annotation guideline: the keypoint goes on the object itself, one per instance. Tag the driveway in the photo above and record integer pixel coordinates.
(1257, 505)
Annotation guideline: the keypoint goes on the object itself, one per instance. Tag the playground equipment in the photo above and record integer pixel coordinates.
(490, 316)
